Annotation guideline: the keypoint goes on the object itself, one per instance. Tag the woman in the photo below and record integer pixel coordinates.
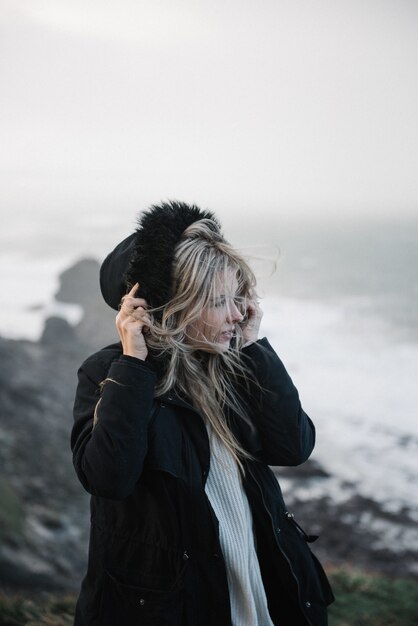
(174, 429)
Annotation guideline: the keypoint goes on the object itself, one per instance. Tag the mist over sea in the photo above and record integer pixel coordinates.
(341, 311)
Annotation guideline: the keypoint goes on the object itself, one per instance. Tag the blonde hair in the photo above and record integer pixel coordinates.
(205, 374)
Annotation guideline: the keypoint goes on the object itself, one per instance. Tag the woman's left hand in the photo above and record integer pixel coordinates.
(251, 325)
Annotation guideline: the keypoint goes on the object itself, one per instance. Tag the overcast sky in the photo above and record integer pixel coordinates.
(296, 106)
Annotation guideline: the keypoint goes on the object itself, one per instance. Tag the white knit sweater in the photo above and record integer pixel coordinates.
(230, 504)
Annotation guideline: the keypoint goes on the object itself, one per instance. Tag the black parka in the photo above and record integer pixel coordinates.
(154, 554)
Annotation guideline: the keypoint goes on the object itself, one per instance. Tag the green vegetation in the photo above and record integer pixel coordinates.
(362, 600)
(11, 511)
(371, 600)
(57, 610)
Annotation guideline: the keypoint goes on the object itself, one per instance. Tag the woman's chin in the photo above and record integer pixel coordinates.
(213, 347)
(223, 343)
(216, 345)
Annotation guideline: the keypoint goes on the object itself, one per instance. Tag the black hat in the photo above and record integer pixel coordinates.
(147, 255)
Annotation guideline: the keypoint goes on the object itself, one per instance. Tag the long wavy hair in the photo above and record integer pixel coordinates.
(206, 375)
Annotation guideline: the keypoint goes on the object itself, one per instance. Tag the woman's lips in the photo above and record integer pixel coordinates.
(227, 335)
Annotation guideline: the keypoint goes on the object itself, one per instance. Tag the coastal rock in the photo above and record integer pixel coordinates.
(80, 285)
(58, 331)
(39, 489)
(39, 547)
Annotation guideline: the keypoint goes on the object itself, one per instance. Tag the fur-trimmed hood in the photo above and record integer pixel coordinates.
(147, 255)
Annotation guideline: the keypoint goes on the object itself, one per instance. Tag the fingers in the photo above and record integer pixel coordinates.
(251, 324)
(129, 314)
(133, 323)
(133, 312)
(140, 315)
(130, 303)
(133, 290)
(251, 309)
(254, 309)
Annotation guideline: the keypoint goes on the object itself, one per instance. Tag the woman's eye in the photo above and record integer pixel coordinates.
(218, 302)
(239, 303)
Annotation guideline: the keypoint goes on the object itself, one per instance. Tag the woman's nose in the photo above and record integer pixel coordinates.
(234, 314)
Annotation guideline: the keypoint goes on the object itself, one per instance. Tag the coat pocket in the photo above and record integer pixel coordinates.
(131, 605)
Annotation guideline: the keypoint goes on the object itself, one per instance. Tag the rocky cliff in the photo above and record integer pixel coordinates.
(44, 512)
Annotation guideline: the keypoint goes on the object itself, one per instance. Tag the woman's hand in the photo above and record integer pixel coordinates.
(132, 321)
(251, 325)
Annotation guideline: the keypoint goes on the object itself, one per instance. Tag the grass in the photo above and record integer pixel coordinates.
(372, 600)
(55, 610)
(362, 599)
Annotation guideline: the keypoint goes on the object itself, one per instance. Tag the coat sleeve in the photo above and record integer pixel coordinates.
(286, 435)
(112, 408)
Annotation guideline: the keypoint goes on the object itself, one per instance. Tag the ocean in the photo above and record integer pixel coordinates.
(340, 310)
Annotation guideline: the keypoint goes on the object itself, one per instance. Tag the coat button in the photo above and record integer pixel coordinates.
(278, 530)
(185, 556)
(141, 601)
(308, 605)
(215, 555)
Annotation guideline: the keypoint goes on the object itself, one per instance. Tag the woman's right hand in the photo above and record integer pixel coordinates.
(132, 321)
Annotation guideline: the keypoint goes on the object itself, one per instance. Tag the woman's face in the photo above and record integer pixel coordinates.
(217, 321)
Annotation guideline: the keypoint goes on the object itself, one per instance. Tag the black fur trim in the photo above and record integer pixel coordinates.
(147, 256)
